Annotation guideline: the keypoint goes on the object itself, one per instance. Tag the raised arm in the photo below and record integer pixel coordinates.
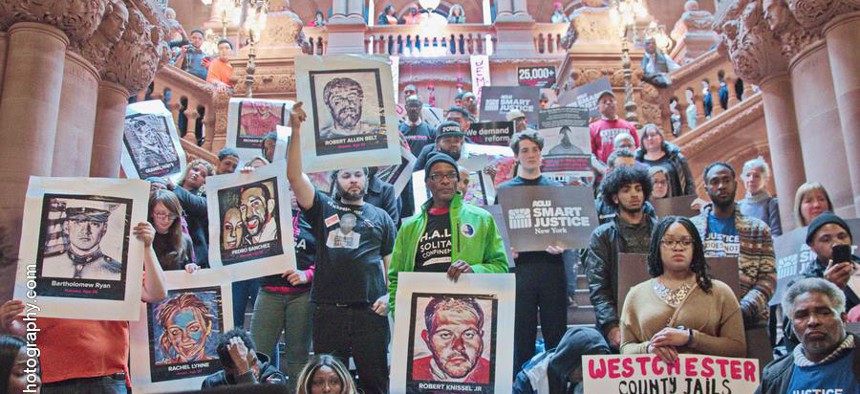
(300, 183)
(154, 289)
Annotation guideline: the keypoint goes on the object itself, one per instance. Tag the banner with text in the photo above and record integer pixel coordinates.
(480, 74)
(690, 374)
(538, 216)
(566, 149)
(491, 133)
(585, 96)
(537, 76)
(497, 101)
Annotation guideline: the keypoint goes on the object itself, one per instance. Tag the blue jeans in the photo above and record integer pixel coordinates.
(101, 385)
(274, 312)
(243, 291)
(358, 332)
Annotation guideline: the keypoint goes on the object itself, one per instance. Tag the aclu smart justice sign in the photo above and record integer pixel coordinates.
(539, 216)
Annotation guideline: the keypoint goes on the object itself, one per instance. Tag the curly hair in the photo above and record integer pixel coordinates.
(527, 134)
(623, 176)
(210, 170)
(699, 265)
(338, 84)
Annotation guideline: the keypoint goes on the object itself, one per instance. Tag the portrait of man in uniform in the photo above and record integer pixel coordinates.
(149, 141)
(454, 334)
(84, 227)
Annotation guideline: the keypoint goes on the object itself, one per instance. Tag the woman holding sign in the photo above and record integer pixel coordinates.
(665, 315)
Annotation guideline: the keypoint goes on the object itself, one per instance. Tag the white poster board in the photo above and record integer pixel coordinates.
(350, 104)
(691, 373)
(249, 120)
(78, 257)
(484, 308)
(150, 142)
(251, 223)
(480, 66)
(164, 361)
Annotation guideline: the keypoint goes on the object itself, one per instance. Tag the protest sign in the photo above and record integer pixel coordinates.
(567, 148)
(352, 119)
(151, 146)
(491, 133)
(690, 374)
(251, 223)
(496, 211)
(585, 96)
(398, 175)
(538, 216)
(250, 120)
(674, 206)
(478, 300)
(497, 101)
(480, 66)
(78, 255)
(537, 76)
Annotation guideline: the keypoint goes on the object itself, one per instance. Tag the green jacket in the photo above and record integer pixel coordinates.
(483, 250)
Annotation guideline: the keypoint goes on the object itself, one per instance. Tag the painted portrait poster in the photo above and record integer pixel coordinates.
(174, 345)
(250, 120)
(151, 144)
(250, 222)
(77, 248)
(351, 116)
(453, 337)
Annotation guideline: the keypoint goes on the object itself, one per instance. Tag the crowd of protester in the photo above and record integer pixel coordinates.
(337, 301)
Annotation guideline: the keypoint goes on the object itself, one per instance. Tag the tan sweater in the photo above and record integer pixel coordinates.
(716, 320)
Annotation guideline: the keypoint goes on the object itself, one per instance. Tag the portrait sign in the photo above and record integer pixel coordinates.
(249, 120)
(691, 373)
(77, 252)
(173, 346)
(793, 256)
(585, 96)
(491, 133)
(538, 216)
(537, 76)
(497, 101)
(251, 222)
(453, 337)
(567, 146)
(400, 174)
(151, 144)
(352, 119)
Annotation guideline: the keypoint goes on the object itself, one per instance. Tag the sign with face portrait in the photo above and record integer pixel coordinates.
(250, 120)
(173, 346)
(352, 119)
(538, 216)
(78, 256)
(453, 337)
(251, 223)
(585, 96)
(567, 146)
(497, 101)
(691, 373)
(151, 146)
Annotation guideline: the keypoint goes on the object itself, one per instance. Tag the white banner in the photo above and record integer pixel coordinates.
(78, 256)
(251, 223)
(480, 74)
(691, 373)
(479, 309)
(151, 146)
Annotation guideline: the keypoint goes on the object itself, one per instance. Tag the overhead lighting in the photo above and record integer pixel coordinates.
(429, 4)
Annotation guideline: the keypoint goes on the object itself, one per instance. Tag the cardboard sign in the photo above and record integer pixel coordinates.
(537, 76)
(250, 120)
(399, 175)
(480, 66)
(674, 206)
(567, 147)
(538, 216)
(690, 374)
(496, 211)
(497, 101)
(491, 133)
(585, 96)
(150, 143)
(633, 270)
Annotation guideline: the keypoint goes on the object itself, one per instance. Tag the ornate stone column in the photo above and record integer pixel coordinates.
(76, 118)
(514, 29)
(841, 34)
(4, 44)
(346, 28)
(109, 123)
(755, 51)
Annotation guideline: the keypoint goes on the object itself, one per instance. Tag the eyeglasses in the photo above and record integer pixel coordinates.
(436, 177)
(671, 243)
(162, 216)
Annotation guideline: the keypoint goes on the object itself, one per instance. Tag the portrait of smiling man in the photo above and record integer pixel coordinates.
(258, 214)
(454, 334)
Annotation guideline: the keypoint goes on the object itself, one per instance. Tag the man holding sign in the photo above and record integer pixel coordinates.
(541, 279)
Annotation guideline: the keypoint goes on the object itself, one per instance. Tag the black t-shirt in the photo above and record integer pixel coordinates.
(352, 241)
(434, 247)
(306, 248)
(536, 256)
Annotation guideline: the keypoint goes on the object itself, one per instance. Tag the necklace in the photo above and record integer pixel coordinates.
(673, 297)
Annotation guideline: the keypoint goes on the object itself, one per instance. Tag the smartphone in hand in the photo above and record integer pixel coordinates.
(841, 254)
